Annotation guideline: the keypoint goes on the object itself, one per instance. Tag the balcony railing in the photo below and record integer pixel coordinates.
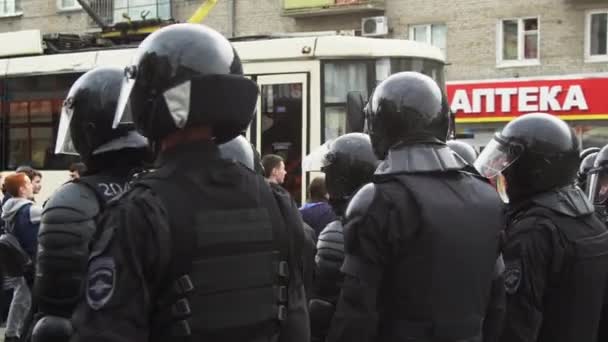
(314, 8)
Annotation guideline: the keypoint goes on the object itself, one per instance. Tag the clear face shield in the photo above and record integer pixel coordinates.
(493, 160)
(64, 143)
(318, 159)
(597, 186)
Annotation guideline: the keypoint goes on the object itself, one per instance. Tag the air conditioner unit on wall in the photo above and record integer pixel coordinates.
(374, 26)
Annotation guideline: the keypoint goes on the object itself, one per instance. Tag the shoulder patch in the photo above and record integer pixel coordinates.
(101, 282)
(513, 275)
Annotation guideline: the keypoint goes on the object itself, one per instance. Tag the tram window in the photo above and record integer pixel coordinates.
(42, 142)
(340, 77)
(32, 118)
(18, 147)
(335, 122)
(17, 113)
(433, 69)
(41, 111)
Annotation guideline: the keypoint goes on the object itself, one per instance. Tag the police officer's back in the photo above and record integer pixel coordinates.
(348, 163)
(421, 240)
(69, 217)
(296, 326)
(556, 250)
(196, 250)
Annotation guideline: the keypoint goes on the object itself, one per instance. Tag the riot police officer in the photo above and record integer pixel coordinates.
(348, 163)
(69, 217)
(418, 265)
(556, 250)
(198, 249)
(597, 186)
(463, 150)
(583, 171)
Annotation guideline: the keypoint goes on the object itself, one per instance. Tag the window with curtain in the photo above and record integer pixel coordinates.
(518, 40)
(68, 5)
(597, 35)
(10, 7)
(432, 34)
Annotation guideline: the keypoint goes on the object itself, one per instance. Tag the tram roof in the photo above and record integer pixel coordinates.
(262, 50)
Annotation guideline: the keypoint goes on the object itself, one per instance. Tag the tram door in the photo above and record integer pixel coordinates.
(281, 126)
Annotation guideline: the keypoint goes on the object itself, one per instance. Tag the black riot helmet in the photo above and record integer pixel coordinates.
(588, 151)
(406, 107)
(85, 127)
(597, 184)
(240, 150)
(348, 163)
(583, 170)
(463, 150)
(183, 76)
(533, 153)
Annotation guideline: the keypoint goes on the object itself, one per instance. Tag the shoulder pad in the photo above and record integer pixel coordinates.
(360, 203)
(570, 201)
(420, 159)
(331, 228)
(332, 238)
(71, 203)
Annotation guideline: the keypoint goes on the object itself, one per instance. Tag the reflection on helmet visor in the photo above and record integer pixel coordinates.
(123, 109)
(64, 144)
(317, 159)
(494, 159)
(501, 187)
(599, 187)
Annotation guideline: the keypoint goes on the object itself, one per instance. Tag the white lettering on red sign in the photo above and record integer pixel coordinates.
(529, 99)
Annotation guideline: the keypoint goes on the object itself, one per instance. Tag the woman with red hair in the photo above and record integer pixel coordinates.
(22, 219)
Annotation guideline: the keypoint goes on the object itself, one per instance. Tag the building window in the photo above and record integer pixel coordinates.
(138, 9)
(596, 36)
(433, 34)
(518, 42)
(68, 5)
(10, 8)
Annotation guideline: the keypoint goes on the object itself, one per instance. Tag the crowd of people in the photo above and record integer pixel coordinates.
(174, 228)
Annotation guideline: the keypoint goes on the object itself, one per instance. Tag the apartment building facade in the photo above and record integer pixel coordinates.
(504, 57)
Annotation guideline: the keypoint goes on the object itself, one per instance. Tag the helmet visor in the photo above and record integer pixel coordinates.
(123, 113)
(64, 143)
(597, 186)
(495, 158)
(317, 159)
